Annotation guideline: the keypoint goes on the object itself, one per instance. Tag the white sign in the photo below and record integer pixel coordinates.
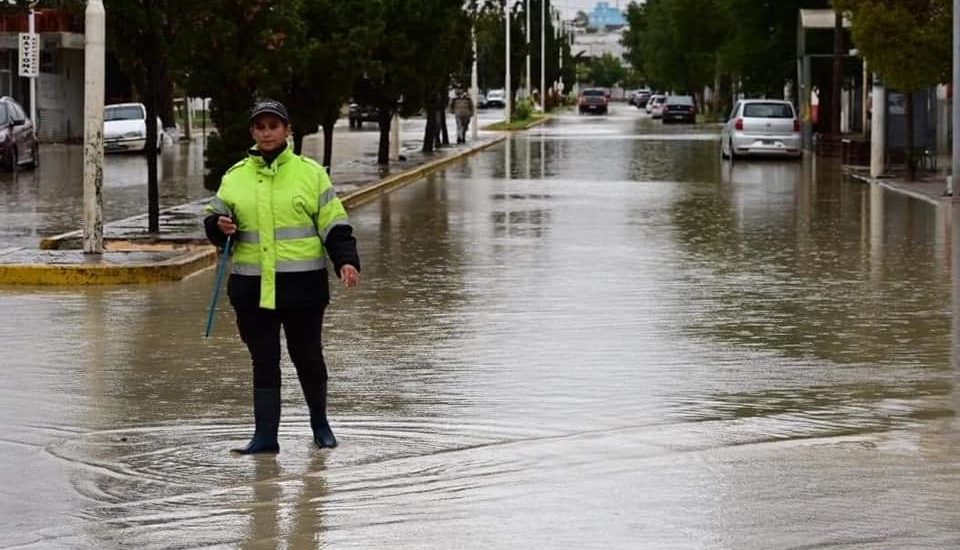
(29, 55)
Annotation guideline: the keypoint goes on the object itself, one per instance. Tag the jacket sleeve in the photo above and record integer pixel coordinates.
(214, 235)
(215, 208)
(334, 227)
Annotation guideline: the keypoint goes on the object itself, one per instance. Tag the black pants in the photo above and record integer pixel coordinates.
(260, 330)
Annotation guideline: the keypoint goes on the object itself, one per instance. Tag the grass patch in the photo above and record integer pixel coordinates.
(517, 124)
(709, 118)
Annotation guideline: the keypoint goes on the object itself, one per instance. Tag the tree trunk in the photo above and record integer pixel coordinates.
(439, 127)
(442, 103)
(328, 125)
(716, 87)
(383, 153)
(430, 131)
(908, 112)
(153, 84)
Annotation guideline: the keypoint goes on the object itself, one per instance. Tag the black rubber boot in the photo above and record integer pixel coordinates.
(317, 401)
(266, 414)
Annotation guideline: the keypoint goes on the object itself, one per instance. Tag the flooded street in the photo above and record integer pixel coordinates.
(596, 335)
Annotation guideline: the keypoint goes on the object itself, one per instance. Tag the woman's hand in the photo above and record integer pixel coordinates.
(350, 276)
(226, 225)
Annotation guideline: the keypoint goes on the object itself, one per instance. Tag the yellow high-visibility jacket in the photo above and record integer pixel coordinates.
(283, 212)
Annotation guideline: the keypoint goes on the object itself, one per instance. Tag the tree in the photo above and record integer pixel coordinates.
(606, 71)
(581, 19)
(247, 47)
(338, 37)
(673, 50)
(907, 43)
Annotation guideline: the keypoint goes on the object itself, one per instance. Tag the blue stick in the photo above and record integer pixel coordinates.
(221, 271)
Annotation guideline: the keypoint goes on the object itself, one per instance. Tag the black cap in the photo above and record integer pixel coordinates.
(269, 106)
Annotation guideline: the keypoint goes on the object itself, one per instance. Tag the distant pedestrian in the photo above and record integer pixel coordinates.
(463, 110)
(289, 226)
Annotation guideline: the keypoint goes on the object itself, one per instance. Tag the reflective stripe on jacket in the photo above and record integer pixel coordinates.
(283, 213)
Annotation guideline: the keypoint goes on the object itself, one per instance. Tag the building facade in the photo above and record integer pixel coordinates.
(60, 84)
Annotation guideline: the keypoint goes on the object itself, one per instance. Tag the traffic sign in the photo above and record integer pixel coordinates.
(29, 55)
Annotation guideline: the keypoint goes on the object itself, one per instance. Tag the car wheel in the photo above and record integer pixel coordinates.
(733, 154)
(35, 156)
(13, 161)
(723, 152)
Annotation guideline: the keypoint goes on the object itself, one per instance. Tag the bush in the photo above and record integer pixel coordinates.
(523, 110)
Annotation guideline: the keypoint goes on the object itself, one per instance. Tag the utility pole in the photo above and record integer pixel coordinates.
(507, 91)
(93, 82)
(32, 30)
(474, 89)
(955, 154)
(878, 128)
(543, 56)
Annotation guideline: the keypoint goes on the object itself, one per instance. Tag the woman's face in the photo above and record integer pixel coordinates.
(270, 132)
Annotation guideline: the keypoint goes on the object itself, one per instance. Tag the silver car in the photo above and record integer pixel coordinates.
(761, 127)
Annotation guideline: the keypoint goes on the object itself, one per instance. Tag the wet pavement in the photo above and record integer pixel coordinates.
(596, 335)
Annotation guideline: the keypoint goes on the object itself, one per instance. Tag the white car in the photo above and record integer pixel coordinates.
(761, 127)
(496, 98)
(655, 105)
(125, 128)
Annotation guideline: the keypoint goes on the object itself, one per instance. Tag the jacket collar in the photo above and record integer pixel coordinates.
(282, 158)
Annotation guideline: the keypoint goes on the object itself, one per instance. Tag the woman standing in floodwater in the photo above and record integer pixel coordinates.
(287, 222)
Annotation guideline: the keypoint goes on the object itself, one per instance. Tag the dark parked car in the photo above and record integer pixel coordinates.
(360, 113)
(18, 138)
(679, 107)
(594, 100)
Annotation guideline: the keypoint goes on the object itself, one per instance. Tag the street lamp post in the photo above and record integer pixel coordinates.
(507, 91)
(93, 82)
(474, 89)
(32, 30)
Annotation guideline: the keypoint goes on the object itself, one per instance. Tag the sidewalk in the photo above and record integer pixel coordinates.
(180, 248)
(930, 188)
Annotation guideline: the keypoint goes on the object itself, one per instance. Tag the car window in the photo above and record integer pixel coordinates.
(680, 100)
(594, 92)
(4, 115)
(16, 111)
(767, 110)
(130, 112)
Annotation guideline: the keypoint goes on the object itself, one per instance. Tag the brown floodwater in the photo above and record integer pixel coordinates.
(596, 335)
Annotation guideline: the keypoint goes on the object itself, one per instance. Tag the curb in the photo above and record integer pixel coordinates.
(372, 192)
(532, 124)
(80, 274)
(936, 200)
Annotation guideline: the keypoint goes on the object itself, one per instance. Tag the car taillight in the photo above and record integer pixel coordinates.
(739, 124)
(796, 125)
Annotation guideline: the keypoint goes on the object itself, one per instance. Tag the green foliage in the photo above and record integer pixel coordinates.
(907, 42)
(523, 109)
(683, 45)
(606, 71)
